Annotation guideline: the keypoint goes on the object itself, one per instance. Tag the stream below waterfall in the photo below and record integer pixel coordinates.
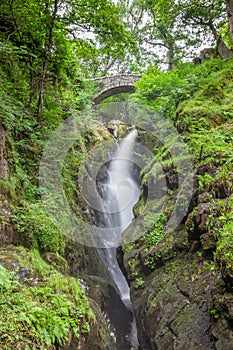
(120, 191)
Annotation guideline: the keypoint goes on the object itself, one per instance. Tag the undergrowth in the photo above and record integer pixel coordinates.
(51, 310)
(198, 100)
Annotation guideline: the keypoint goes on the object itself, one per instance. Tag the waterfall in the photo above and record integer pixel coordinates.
(122, 186)
(121, 192)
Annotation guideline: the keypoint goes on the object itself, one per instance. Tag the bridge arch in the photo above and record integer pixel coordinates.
(115, 85)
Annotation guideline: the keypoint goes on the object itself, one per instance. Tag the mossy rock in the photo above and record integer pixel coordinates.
(173, 306)
(196, 222)
(57, 261)
(98, 133)
(223, 334)
(118, 129)
(208, 241)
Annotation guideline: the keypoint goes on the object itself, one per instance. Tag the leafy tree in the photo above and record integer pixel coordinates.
(99, 21)
(168, 31)
(160, 31)
(44, 36)
(229, 6)
(133, 13)
(207, 17)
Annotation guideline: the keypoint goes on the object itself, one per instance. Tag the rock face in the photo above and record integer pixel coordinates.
(182, 287)
(173, 308)
(177, 307)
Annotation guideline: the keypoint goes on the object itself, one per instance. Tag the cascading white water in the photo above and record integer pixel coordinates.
(122, 184)
(121, 192)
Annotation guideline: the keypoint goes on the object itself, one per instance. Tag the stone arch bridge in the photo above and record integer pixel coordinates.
(116, 84)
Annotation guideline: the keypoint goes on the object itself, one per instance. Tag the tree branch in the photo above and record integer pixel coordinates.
(157, 44)
(109, 65)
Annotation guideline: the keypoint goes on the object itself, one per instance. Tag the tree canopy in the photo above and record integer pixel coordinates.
(53, 42)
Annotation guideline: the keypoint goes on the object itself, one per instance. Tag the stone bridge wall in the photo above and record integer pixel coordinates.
(115, 85)
(117, 80)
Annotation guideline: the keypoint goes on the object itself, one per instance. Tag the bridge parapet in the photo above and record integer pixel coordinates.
(115, 85)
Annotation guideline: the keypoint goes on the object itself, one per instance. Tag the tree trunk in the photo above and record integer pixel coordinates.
(4, 170)
(170, 56)
(109, 65)
(229, 4)
(47, 56)
(222, 49)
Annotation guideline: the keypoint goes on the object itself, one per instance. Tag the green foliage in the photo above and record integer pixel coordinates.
(6, 279)
(26, 138)
(224, 251)
(212, 146)
(199, 100)
(205, 18)
(152, 260)
(163, 91)
(47, 313)
(214, 313)
(128, 247)
(204, 180)
(159, 25)
(152, 238)
(160, 90)
(139, 282)
(173, 268)
(12, 111)
(132, 267)
(201, 13)
(225, 34)
(37, 230)
(198, 85)
(48, 309)
(58, 33)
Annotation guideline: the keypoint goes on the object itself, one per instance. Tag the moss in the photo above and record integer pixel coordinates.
(208, 241)
(36, 230)
(211, 223)
(211, 105)
(49, 311)
(224, 251)
(56, 261)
